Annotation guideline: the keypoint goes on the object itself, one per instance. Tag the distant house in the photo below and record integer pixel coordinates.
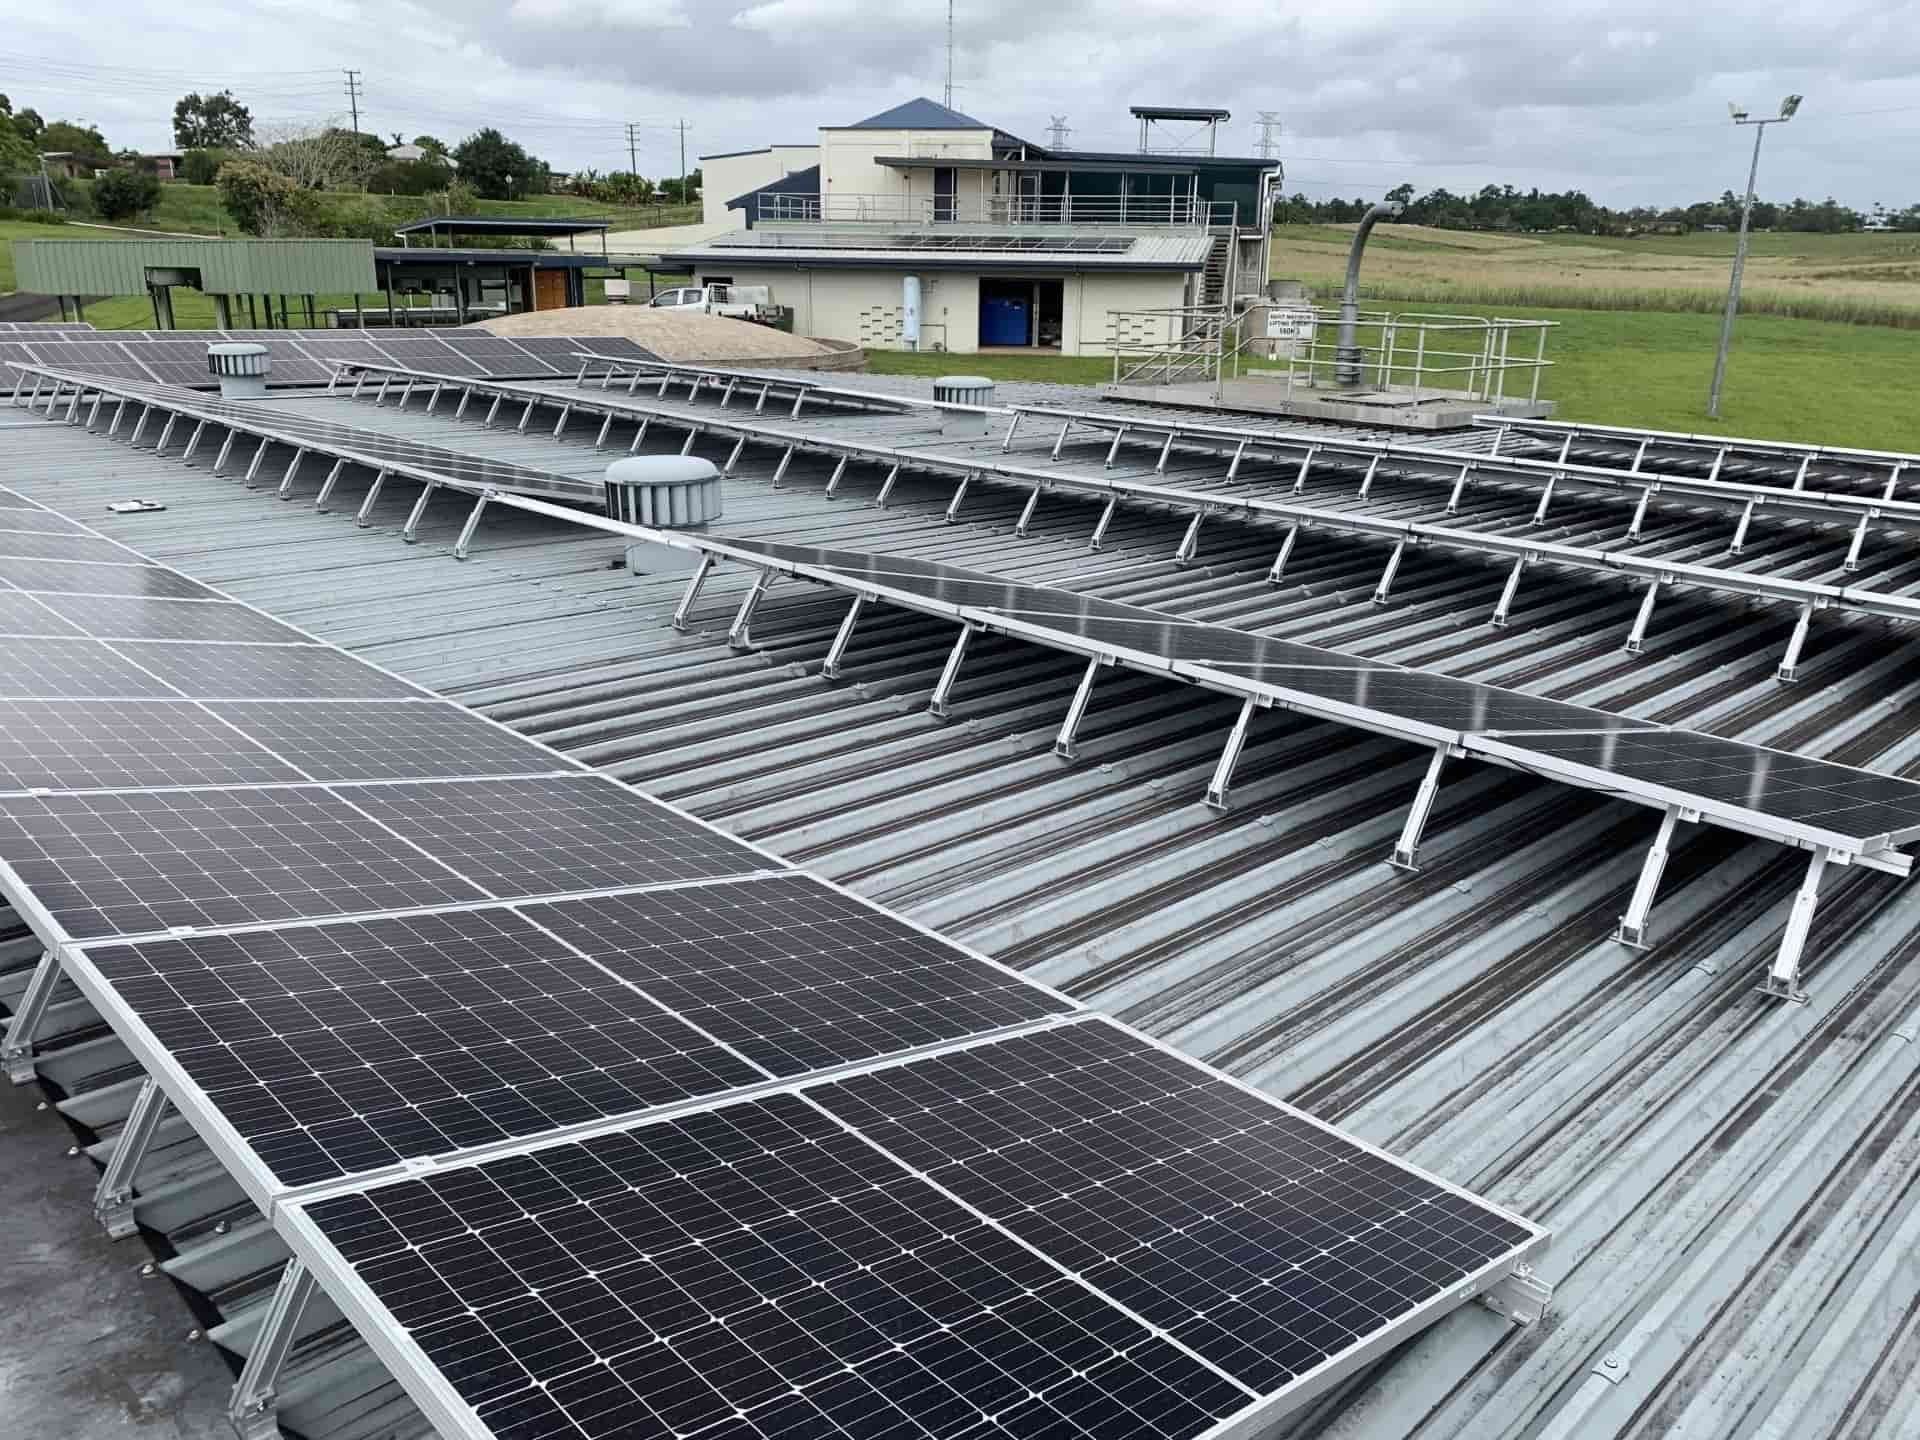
(165, 164)
(1714, 229)
(414, 152)
(67, 165)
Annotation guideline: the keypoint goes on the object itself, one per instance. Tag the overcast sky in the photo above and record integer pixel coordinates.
(1624, 99)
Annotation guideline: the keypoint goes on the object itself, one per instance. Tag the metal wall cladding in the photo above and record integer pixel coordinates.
(227, 267)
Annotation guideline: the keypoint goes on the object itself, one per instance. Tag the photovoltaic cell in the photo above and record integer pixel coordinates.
(1267, 1243)
(132, 864)
(27, 545)
(1856, 803)
(115, 617)
(248, 672)
(388, 739)
(751, 1273)
(555, 836)
(55, 578)
(21, 614)
(342, 1048)
(793, 974)
(44, 522)
(125, 744)
(52, 669)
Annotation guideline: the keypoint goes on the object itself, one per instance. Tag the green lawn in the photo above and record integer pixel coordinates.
(1787, 379)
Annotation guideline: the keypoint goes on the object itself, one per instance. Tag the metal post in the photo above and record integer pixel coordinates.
(694, 582)
(461, 545)
(1408, 849)
(526, 418)
(1306, 464)
(1790, 662)
(1740, 531)
(1007, 443)
(1114, 449)
(740, 444)
(1501, 610)
(380, 395)
(253, 1406)
(1366, 481)
(193, 443)
(779, 471)
(226, 449)
(886, 487)
(1546, 499)
(1279, 566)
(833, 480)
(1189, 542)
(1220, 785)
(411, 529)
(1383, 592)
(600, 437)
(639, 434)
(16, 1051)
(1025, 521)
(1739, 265)
(253, 465)
(1100, 525)
(466, 399)
(1639, 513)
(292, 470)
(326, 485)
(139, 426)
(937, 704)
(166, 430)
(362, 517)
(1064, 742)
(493, 410)
(960, 493)
(836, 652)
(1637, 636)
(740, 634)
(113, 1198)
(1783, 979)
(1459, 488)
(1852, 562)
(1632, 929)
(566, 413)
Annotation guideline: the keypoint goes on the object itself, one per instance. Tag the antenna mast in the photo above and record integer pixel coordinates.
(949, 101)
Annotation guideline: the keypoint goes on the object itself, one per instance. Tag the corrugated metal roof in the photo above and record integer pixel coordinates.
(227, 267)
(1734, 1184)
(920, 113)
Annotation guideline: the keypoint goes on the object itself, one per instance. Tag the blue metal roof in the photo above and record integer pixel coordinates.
(919, 113)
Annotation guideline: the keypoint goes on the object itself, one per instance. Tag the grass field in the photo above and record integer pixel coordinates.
(1855, 279)
(1786, 379)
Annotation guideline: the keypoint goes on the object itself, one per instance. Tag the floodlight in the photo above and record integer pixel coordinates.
(1788, 106)
(1736, 110)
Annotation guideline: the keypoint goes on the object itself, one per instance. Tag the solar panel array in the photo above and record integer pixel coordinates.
(45, 327)
(1834, 804)
(605, 1119)
(307, 357)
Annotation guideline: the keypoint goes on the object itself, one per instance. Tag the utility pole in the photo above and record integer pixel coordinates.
(682, 128)
(949, 99)
(1787, 108)
(1269, 127)
(633, 157)
(1057, 132)
(354, 88)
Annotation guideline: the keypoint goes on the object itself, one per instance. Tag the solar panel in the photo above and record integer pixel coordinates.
(24, 615)
(30, 545)
(425, 352)
(92, 359)
(12, 500)
(53, 669)
(792, 973)
(125, 617)
(254, 672)
(16, 351)
(1857, 803)
(125, 745)
(55, 578)
(555, 836)
(136, 863)
(330, 351)
(1266, 1242)
(388, 740)
(340, 1048)
(750, 1272)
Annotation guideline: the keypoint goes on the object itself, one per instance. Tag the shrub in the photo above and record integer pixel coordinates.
(200, 167)
(124, 193)
(264, 202)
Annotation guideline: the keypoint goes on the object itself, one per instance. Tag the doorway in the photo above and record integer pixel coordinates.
(1021, 314)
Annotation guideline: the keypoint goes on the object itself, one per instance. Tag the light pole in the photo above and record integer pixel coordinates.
(1787, 107)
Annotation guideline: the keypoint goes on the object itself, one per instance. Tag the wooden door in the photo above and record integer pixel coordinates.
(549, 289)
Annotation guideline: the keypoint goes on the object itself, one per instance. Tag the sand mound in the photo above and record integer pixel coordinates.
(690, 339)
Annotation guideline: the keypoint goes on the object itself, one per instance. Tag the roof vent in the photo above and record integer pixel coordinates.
(963, 390)
(241, 369)
(663, 492)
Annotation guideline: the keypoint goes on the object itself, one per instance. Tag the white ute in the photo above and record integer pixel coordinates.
(736, 302)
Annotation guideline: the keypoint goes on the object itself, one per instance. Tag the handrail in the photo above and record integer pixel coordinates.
(972, 209)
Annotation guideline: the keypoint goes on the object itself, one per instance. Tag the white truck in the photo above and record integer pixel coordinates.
(736, 302)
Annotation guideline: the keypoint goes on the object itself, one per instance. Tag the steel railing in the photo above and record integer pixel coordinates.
(963, 209)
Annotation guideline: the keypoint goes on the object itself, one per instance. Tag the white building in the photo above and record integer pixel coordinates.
(987, 240)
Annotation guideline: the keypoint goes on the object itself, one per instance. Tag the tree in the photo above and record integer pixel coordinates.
(264, 202)
(497, 168)
(670, 189)
(328, 158)
(433, 145)
(199, 167)
(212, 122)
(85, 142)
(29, 125)
(124, 193)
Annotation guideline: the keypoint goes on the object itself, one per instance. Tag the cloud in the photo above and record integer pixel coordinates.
(626, 14)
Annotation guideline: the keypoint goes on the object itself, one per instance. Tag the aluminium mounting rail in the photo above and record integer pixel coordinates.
(793, 437)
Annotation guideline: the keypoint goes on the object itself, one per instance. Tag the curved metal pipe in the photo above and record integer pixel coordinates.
(1348, 363)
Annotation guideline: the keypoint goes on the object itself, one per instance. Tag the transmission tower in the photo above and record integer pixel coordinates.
(1057, 132)
(1269, 127)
